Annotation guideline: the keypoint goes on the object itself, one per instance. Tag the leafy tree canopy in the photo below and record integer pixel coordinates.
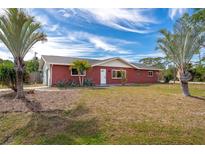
(158, 62)
(32, 65)
(81, 66)
(199, 15)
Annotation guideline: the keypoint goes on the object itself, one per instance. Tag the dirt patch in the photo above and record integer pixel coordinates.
(38, 101)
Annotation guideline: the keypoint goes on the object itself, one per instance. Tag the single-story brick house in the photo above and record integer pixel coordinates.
(102, 72)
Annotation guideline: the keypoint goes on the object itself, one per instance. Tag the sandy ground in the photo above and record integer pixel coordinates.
(38, 101)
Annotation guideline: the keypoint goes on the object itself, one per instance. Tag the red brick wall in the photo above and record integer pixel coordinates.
(61, 72)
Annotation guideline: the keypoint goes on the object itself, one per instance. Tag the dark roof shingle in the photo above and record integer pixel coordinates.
(69, 60)
(66, 60)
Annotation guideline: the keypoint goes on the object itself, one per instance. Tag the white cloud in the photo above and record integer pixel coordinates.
(44, 20)
(136, 57)
(176, 12)
(60, 46)
(53, 27)
(132, 20)
(4, 53)
(102, 45)
(64, 13)
(2, 12)
(99, 42)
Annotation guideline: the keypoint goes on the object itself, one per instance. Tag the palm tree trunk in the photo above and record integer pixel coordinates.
(19, 84)
(185, 88)
(19, 78)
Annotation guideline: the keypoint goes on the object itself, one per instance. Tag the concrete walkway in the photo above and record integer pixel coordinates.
(26, 88)
(189, 82)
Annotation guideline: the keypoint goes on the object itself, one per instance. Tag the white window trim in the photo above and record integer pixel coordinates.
(118, 77)
(150, 75)
(77, 75)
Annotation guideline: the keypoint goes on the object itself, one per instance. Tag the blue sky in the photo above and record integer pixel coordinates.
(101, 33)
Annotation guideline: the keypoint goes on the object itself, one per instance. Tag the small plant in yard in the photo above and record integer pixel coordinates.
(61, 84)
(66, 84)
(72, 83)
(88, 82)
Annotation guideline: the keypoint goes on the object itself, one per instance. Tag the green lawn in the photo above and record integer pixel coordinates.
(140, 114)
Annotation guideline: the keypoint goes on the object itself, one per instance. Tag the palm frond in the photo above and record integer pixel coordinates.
(19, 32)
(185, 41)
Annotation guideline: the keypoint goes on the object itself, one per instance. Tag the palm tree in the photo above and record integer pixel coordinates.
(19, 32)
(180, 46)
(81, 66)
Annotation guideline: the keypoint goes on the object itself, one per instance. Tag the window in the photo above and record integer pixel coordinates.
(150, 73)
(118, 74)
(74, 72)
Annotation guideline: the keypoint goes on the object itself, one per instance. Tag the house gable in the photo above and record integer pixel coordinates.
(117, 62)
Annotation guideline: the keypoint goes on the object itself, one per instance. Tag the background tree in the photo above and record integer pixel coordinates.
(169, 73)
(181, 45)
(199, 18)
(199, 15)
(7, 74)
(158, 62)
(81, 66)
(19, 32)
(198, 72)
(32, 65)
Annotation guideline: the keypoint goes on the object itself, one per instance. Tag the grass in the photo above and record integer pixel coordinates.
(139, 114)
(2, 86)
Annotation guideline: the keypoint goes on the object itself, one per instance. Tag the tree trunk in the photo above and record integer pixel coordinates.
(79, 80)
(185, 88)
(174, 75)
(19, 78)
(82, 81)
(19, 84)
(184, 77)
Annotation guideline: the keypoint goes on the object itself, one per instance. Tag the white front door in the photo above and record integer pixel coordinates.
(102, 76)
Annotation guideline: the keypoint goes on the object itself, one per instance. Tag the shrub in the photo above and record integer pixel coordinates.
(61, 84)
(88, 83)
(168, 74)
(8, 74)
(73, 83)
(199, 73)
(66, 84)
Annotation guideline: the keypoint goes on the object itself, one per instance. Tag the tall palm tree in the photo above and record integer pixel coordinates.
(180, 46)
(19, 32)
